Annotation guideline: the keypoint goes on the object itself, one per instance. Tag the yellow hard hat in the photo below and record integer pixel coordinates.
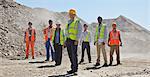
(72, 11)
(114, 22)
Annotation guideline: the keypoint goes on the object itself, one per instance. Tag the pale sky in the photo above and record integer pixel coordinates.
(89, 10)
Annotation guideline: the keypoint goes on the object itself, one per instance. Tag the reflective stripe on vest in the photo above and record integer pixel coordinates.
(32, 35)
(72, 30)
(62, 37)
(87, 37)
(101, 33)
(114, 38)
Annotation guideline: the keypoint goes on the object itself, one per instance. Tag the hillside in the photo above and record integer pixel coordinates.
(14, 19)
(136, 39)
(13, 22)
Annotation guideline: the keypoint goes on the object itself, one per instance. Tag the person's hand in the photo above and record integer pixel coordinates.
(103, 43)
(76, 42)
(94, 43)
(64, 46)
(121, 44)
(109, 45)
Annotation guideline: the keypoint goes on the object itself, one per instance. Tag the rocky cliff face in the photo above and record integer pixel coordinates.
(14, 19)
(13, 22)
(10, 33)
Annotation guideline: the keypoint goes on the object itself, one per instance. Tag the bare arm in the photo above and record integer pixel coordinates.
(105, 35)
(120, 39)
(35, 34)
(24, 36)
(108, 38)
(79, 30)
(90, 38)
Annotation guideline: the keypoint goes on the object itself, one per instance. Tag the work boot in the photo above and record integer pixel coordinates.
(52, 60)
(105, 65)
(90, 62)
(57, 64)
(118, 63)
(33, 57)
(26, 57)
(46, 60)
(81, 61)
(110, 64)
(70, 72)
(97, 64)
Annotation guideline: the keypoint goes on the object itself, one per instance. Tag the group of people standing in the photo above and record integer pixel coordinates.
(56, 39)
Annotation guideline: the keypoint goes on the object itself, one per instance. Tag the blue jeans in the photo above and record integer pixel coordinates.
(48, 47)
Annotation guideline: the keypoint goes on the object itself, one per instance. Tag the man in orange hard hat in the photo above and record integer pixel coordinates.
(114, 42)
(29, 38)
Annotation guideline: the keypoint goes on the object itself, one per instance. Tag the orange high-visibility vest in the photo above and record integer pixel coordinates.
(32, 35)
(114, 38)
(46, 34)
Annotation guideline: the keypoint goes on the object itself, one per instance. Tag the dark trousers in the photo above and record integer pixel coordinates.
(58, 53)
(72, 52)
(112, 49)
(49, 46)
(86, 45)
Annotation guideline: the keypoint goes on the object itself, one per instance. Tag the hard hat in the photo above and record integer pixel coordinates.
(72, 11)
(58, 23)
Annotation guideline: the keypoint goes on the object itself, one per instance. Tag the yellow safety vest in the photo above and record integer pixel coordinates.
(72, 30)
(87, 37)
(101, 34)
(62, 37)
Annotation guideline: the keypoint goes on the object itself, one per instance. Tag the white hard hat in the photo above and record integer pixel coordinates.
(58, 22)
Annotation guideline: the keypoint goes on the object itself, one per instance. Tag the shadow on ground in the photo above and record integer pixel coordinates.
(64, 75)
(37, 62)
(98, 67)
(46, 66)
(93, 68)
